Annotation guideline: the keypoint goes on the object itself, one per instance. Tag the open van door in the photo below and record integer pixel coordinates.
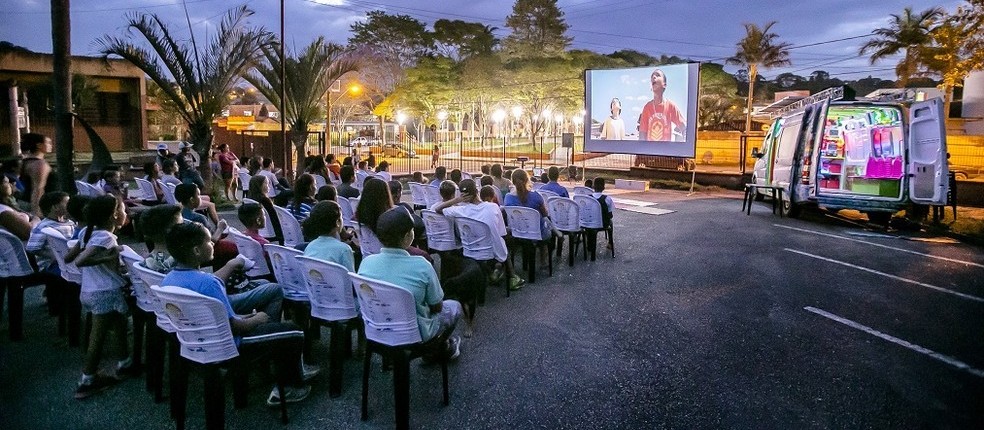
(927, 167)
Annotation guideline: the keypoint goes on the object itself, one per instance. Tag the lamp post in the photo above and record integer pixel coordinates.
(559, 119)
(517, 112)
(498, 116)
(354, 89)
(400, 119)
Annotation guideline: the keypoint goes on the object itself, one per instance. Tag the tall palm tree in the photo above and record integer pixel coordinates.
(308, 75)
(197, 84)
(61, 29)
(906, 33)
(759, 48)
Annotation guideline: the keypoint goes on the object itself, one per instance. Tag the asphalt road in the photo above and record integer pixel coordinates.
(706, 318)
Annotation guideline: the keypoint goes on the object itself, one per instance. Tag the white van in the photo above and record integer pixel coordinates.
(870, 156)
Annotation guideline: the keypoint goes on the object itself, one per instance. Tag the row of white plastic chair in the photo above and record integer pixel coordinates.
(567, 215)
(87, 189)
(203, 329)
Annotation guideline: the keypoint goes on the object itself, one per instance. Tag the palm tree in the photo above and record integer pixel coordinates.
(906, 33)
(61, 29)
(308, 76)
(197, 84)
(759, 48)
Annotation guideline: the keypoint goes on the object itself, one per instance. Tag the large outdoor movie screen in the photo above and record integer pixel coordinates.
(644, 110)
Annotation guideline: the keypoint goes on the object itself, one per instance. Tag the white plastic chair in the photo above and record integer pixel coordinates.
(524, 225)
(16, 272)
(267, 231)
(244, 181)
(147, 189)
(440, 231)
(329, 288)
(348, 211)
(476, 239)
(466, 175)
(151, 278)
(566, 216)
(368, 242)
(201, 322)
(319, 181)
(390, 319)
(289, 227)
(583, 190)
(432, 194)
(252, 250)
(536, 185)
(169, 193)
(418, 195)
(58, 245)
(288, 271)
(546, 194)
(360, 179)
(592, 222)
(333, 303)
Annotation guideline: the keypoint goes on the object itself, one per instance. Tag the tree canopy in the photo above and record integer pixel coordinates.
(538, 30)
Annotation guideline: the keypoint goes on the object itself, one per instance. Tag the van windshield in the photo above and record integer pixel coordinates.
(861, 151)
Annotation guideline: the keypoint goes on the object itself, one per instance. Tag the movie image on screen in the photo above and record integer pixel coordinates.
(644, 110)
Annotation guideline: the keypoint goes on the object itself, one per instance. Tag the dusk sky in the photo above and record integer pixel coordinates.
(701, 30)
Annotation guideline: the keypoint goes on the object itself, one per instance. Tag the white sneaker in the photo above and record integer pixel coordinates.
(291, 395)
(454, 347)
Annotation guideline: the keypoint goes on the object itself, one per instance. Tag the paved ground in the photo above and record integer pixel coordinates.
(706, 318)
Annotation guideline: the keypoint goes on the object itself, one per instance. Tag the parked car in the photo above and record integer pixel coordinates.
(398, 150)
(964, 173)
(362, 141)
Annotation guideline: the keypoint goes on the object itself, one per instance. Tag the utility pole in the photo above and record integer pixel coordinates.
(61, 40)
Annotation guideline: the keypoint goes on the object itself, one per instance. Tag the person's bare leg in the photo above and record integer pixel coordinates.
(210, 208)
(100, 325)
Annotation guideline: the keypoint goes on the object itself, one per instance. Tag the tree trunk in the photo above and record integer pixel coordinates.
(61, 40)
(752, 75)
(200, 136)
(947, 99)
(299, 137)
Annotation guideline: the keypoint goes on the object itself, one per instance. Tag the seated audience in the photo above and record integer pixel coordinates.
(257, 192)
(440, 175)
(524, 197)
(324, 224)
(326, 192)
(382, 171)
(553, 174)
(345, 189)
(418, 178)
(13, 219)
(254, 331)
(375, 201)
(303, 200)
(469, 205)
(455, 176)
(436, 318)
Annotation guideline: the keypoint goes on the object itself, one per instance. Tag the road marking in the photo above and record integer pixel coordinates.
(953, 260)
(887, 275)
(926, 351)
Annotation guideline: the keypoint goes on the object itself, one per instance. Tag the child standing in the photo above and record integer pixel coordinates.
(97, 254)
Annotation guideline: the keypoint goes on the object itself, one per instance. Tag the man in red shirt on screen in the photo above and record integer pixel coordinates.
(659, 116)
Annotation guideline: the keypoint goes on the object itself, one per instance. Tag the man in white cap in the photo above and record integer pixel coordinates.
(162, 154)
(187, 166)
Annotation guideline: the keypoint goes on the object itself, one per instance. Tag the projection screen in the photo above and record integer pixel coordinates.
(644, 110)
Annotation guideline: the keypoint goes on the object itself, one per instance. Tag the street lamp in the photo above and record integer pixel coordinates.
(354, 89)
(400, 119)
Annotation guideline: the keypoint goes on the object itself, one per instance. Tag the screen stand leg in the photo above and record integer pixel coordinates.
(693, 178)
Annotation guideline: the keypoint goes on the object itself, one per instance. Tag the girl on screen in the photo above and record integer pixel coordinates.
(614, 127)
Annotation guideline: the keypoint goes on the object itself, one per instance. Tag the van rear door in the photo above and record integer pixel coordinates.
(785, 152)
(926, 166)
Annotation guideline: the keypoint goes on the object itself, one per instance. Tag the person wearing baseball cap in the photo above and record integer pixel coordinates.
(162, 154)
(436, 317)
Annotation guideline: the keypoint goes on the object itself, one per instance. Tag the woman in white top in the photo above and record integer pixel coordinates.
(382, 171)
(614, 127)
(11, 219)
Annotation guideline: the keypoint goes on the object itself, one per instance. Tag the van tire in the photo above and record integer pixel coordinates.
(790, 209)
(758, 196)
(879, 218)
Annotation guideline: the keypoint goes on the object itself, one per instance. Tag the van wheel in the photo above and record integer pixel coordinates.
(879, 218)
(758, 196)
(790, 209)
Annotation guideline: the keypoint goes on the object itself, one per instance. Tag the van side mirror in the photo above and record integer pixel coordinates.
(756, 153)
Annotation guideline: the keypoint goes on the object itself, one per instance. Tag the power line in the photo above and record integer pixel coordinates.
(45, 12)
